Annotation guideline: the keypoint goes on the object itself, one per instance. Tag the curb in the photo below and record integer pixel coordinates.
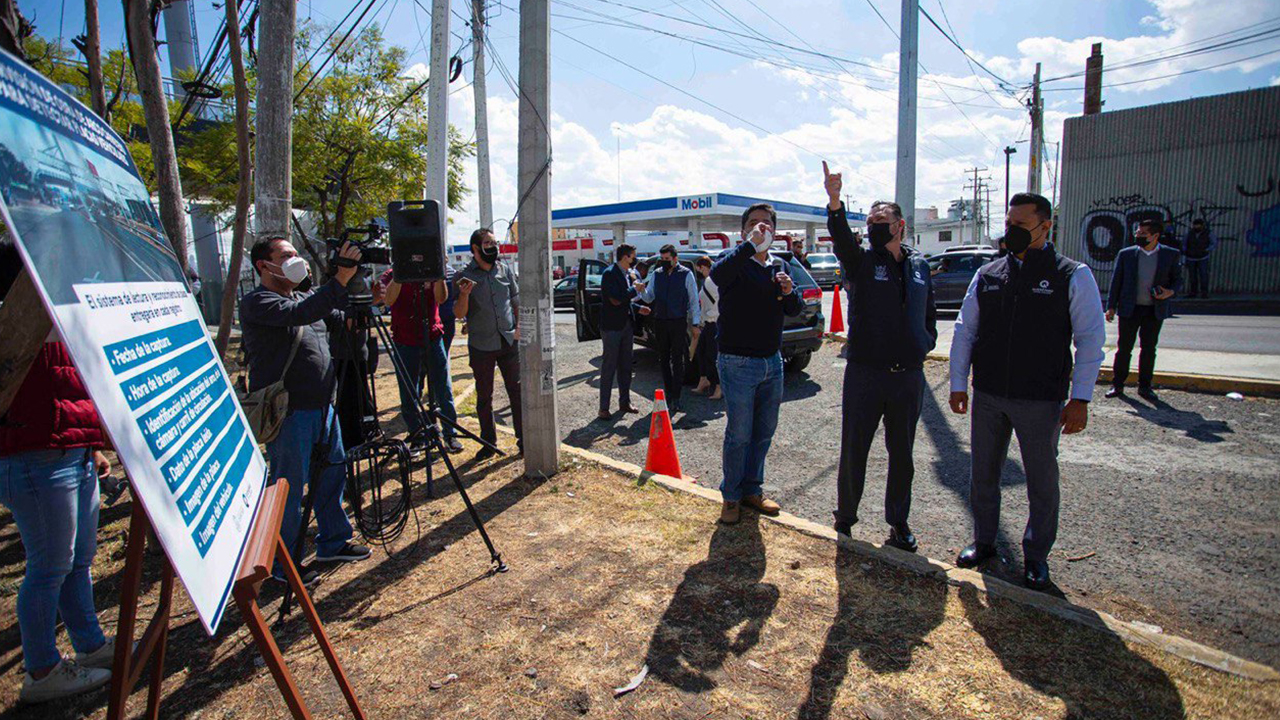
(1183, 648)
(1191, 382)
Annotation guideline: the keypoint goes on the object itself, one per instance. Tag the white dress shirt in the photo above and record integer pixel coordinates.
(1088, 328)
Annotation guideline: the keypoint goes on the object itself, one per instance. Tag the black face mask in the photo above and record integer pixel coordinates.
(1016, 239)
(305, 285)
(880, 234)
(1141, 241)
(489, 254)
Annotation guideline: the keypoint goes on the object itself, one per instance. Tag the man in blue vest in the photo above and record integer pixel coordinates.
(1146, 276)
(617, 330)
(1017, 324)
(755, 294)
(672, 294)
(892, 327)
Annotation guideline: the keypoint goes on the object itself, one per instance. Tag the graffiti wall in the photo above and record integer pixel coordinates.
(1166, 162)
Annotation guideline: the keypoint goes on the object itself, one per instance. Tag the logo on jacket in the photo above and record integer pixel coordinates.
(882, 273)
(919, 278)
(1044, 288)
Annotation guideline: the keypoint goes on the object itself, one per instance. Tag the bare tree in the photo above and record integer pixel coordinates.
(90, 46)
(14, 28)
(146, 67)
(229, 289)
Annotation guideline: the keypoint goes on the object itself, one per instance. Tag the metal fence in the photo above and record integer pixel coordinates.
(1216, 158)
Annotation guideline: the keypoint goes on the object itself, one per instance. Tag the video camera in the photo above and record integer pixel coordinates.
(366, 238)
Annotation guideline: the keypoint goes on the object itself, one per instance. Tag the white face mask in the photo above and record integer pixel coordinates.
(294, 269)
(766, 240)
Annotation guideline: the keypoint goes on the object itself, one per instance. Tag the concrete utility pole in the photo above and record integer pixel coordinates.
(908, 62)
(482, 114)
(1093, 81)
(537, 322)
(1008, 150)
(1037, 136)
(180, 37)
(438, 114)
(273, 160)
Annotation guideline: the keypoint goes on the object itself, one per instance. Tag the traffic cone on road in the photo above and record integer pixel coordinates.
(837, 317)
(662, 457)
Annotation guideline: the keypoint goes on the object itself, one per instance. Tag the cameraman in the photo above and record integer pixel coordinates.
(273, 317)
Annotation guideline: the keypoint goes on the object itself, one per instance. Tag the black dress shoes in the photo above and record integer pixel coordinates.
(975, 555)
(845, 527)
(900, 536)
(1148, 393)
(1115, 392)
(1036, 574)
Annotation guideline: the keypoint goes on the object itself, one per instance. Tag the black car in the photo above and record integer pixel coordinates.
(952, 272)
(562, 292)
(801, 335)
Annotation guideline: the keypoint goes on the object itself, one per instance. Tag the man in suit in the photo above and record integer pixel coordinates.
(1146, 276)
(672, 294)
(617, 330)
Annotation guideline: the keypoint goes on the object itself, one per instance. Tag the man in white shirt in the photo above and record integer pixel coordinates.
(1019, 319)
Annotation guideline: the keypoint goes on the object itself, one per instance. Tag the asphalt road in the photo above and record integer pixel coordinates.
(1178, 501)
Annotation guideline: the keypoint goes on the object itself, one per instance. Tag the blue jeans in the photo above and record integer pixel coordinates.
(752, 390)
(420, 363)
(290, 458)
(53, 495)
(1197, 276)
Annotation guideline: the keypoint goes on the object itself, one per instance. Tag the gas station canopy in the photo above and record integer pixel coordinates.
(712, 212)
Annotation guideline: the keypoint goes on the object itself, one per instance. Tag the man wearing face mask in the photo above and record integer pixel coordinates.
(755, 293)
(672, 294)
(285, 335)
(489, 300)
(892, 327)
(1147, 274)
(1019, 319)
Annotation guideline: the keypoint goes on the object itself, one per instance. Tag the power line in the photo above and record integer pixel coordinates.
(346, 36)
(1004, 84)
(1172, 75)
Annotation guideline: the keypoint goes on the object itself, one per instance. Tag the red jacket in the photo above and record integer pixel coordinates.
(52, 409)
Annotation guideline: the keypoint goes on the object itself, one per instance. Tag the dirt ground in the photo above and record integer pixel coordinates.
(609, 575)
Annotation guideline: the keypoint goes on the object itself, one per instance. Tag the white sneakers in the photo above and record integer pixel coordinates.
(102, 658)
(66, 679)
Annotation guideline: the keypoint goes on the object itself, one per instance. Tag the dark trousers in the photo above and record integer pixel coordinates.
(708, 351)
(672, 340)
(1143, 326)
(872, 394)
(354, 401)
(483, 362)
(1036, 422)
(1197, 276)
(616, 362)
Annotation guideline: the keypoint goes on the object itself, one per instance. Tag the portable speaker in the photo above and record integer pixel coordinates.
(417, 248)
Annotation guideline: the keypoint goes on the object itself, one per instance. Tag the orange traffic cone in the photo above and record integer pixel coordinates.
(837, 317)
(662, 457)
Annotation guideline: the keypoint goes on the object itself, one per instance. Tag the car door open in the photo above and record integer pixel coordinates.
(587, 298)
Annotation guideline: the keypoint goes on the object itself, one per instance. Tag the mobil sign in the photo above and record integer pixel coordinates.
(696, 202)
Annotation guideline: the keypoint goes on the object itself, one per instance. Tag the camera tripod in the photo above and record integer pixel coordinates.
(429, 432)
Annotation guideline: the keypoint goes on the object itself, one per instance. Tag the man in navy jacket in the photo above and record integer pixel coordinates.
(892, 326)
(755, 293)
(617, 330)
(1146, 276)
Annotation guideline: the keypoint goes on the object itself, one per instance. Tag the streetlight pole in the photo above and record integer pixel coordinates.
(1008, 150)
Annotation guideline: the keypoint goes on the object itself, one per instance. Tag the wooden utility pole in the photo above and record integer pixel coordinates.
(273, 176)
(155, 107)
(92, 49)
(537, 321)
(232, 283)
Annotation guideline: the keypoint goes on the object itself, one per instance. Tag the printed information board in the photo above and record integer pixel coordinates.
(86, 229)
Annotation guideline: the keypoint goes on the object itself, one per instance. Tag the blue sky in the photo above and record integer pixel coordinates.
(780, 107)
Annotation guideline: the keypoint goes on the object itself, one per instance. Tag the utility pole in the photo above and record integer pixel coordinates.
(438, 114)
(482, 113)
(537, 322)
(1037, 136)
(986, 217)
(1008, 150)
(273, 155)
(1093, 81)
(908, 62)
(975, 211)
(180, 37)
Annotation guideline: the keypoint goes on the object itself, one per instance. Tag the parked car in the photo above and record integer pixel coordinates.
(825, 269)
(953, 270)
(801, 335)
(562, 292)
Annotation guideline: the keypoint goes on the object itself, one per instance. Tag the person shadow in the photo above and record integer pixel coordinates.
(1090, 670)
(722, 593)
(883, 627)
(1193, 424)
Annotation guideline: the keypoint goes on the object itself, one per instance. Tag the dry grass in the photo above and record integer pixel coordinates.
(608, 575)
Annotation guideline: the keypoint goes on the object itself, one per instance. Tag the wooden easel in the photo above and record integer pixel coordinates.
(260, 552)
